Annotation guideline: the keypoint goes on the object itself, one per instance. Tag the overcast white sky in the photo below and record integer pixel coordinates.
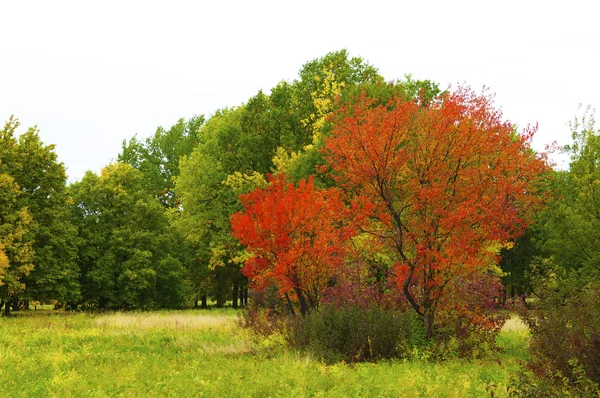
(91, 74)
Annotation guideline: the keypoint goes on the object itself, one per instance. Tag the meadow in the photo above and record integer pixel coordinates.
(204, 353)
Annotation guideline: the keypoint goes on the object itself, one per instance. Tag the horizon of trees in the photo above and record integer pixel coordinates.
(154, 229)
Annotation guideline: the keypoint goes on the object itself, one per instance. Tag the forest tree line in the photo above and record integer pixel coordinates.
(154, 230)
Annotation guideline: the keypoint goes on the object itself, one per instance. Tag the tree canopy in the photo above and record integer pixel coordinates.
(447, 180)
(433, 185)
(294, 237)
(128, 253)
(41, 184)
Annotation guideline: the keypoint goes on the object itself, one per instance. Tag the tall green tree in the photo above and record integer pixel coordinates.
(129, 254)
(324, 85)
(158, 160)
(570, 228)
(313, 89)
(238, 146)
(208, 197)
(41, 179)
(157, 157)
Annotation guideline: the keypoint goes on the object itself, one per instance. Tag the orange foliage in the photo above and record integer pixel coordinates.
(295, 237)
(446, 180)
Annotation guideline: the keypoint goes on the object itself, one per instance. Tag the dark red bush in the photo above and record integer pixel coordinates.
(566, 337)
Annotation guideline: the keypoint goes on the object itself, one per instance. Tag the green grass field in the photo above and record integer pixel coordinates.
(203, 353)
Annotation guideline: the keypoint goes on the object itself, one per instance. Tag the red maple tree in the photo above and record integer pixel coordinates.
(447, 179)
(295, 237)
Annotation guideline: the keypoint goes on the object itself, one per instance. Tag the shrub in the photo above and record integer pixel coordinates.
(470, 322)
(554, 384)
(352, 333)
(565, 344)
(262, 321)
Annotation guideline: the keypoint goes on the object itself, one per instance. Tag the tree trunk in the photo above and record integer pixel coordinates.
(428, 323)
(241, 294)
(7, 307)
(26, 304)
(203, 301)
(245, 291)
(407, 293)
(311, 303)
(196, 303)
(302, 300)
(290, 305)
(236, 290)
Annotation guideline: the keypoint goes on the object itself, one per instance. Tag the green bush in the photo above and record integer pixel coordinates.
(353, 334)
(553, 384)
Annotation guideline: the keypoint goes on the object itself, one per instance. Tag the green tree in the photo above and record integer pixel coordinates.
(207, 203)
(565, 274)
(235, 149)
(42, 183)
(515, 263)
(324, 86)
(570, 228)
(241, 139)
(129, 254)
(275, 132)
(317, 77)
(158, 156)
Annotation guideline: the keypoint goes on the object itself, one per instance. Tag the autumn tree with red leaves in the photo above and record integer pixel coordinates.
(295, 238)
(447, 179)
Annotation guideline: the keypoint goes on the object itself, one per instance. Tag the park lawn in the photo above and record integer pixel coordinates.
(203, 353)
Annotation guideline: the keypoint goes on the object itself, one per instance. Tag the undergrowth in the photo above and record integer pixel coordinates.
(204, 353)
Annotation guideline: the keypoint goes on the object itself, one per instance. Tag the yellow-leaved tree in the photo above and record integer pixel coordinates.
(16, 242)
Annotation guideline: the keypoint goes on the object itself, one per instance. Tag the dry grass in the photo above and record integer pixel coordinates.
(167, 320)
(515, 324)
